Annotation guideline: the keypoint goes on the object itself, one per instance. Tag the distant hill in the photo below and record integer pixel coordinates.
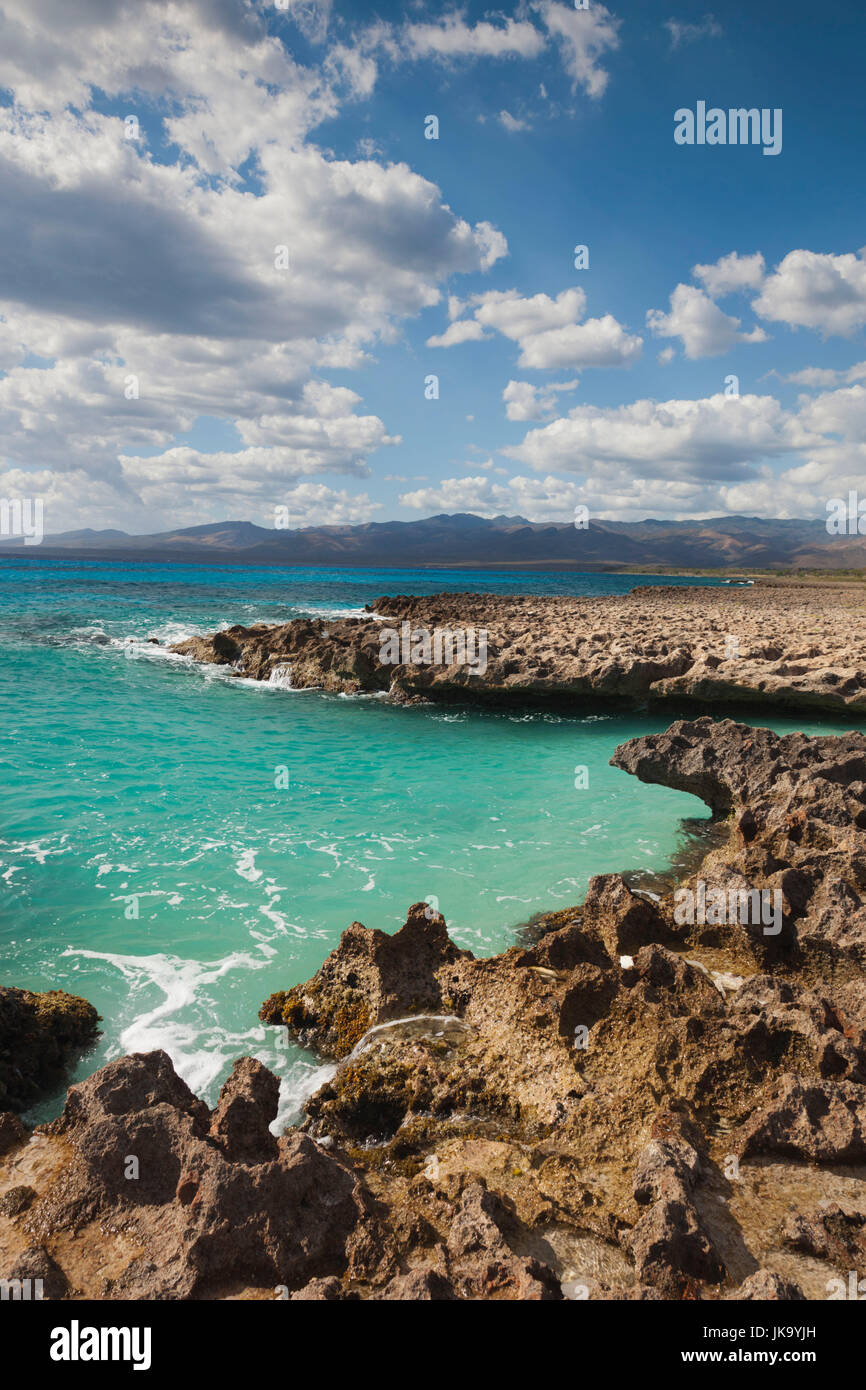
(474, 542)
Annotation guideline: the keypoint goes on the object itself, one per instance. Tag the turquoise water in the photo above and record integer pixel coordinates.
(152, 859)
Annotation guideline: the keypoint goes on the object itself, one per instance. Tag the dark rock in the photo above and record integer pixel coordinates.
(624, 920)
(207, 1216)
(247, 1107)
(39, 1036)
(12, 1132)
(670, 1243)
(828, 1233)
(36, 1265)
(15, 1200)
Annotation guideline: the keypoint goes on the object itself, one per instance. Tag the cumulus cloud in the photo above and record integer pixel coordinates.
(716, 437)
(215, 297)
(704, 329)
(811, 289)
(731, 274)
(807, 289)
(827, 376)
(678, 458)
(461, 331)
(549, 332)
(526, 401)
(158, 501)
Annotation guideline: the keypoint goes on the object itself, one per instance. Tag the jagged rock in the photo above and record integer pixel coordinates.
(209, 1204)
(659, 643)
(624, 920)
(371, 977)
(821, 1122)
(765, 1285)
(540, 1091)
(806, 804)
(12, 1132)
(670, 1244)
(247, 1107)
(17, 1199)
(672, 1162)
(39, 1036)
(827, 1233)
(482, 1262)
(319, 1291)
(419, 1286)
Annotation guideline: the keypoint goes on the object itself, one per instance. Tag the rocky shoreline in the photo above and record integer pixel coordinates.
(638, 1104)
(766, 646)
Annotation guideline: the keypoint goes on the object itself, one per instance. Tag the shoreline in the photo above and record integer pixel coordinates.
(715, 647)
(603, 1168)
(625, 1104)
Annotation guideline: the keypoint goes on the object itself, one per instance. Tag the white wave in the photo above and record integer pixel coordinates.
(281, 676)
(35, 849)
(246, 866)
(199, 1050)
(300, 1081)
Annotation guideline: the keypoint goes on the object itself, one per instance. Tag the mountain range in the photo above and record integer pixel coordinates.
(467, 541)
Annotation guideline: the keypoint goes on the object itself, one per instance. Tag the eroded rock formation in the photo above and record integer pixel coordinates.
(760, 646)
(633, 1106)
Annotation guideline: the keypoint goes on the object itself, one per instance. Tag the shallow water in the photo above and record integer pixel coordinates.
(176, 845)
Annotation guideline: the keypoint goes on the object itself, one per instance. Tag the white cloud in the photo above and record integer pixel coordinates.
(827, 376)
(512, 123)
(678, 458)
(174, 280)
(548, 331)
(584, 37)
(473, 494)
(705, 330)
(452, 37)
(461, 331)
(811, 289)
(694, 440)
(731, 274)
(526, 401)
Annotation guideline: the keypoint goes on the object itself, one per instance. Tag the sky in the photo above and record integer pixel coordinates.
(238, 275)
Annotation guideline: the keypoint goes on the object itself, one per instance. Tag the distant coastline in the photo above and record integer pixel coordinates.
(465, 541)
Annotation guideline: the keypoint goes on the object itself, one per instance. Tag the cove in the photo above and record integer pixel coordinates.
(135, 781)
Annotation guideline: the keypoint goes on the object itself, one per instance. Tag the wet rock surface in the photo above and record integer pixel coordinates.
(632, 1105)
(702, 645)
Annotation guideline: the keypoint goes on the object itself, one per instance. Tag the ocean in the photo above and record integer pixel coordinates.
(176, 844)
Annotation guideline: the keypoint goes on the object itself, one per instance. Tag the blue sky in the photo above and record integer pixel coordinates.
(160, 370)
